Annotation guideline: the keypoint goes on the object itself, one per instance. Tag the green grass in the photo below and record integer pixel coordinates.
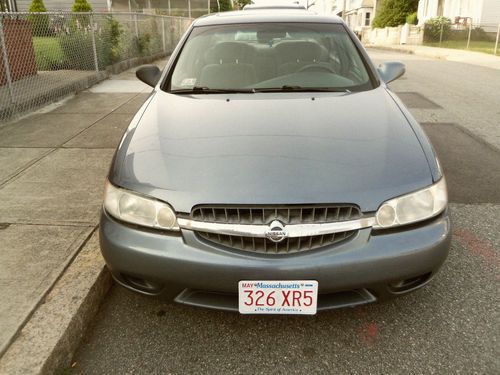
(478, 46)
(48, 53)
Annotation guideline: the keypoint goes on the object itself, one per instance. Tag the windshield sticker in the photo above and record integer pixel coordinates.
(188, 82)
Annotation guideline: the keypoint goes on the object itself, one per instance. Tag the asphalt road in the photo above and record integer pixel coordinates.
(450, 326)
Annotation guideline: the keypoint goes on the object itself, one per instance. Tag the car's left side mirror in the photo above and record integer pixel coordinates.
(149, 74)
(391, 71)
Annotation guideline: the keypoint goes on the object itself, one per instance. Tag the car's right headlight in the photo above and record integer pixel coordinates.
(134, 208)
(414, 207)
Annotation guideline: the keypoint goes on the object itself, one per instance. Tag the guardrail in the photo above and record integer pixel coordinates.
(45, 56)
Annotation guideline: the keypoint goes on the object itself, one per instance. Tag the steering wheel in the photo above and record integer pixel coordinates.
(316, 67)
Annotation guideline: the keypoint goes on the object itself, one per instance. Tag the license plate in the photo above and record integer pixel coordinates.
(278, 297)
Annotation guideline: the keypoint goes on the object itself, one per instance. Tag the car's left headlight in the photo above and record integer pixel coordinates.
(134, 208)
(414, 207)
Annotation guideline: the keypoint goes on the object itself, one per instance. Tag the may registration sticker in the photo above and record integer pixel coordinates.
(278, 297)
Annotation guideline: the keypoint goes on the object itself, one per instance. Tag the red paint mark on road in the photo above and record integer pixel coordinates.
(368, 334)
(478, 247)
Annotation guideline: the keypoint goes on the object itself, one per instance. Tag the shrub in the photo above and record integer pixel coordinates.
(81, 6)
(40, 23)
(78, 49)
(432, 29)
(225, 5)
(412, 18)
(143, 44)
(242, 3)
(478, 34)
(393, 12)
(110, 45)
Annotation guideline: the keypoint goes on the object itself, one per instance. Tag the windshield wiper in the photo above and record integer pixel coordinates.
(289, 88)
(207, 90)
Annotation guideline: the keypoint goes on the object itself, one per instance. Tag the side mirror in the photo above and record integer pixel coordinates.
(149, 74)
(391, 71)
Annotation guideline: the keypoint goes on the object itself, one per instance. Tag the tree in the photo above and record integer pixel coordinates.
(81, 6)
(242, 3)
(37, 6)
(393, 12)
(39, 22)
(225, 5)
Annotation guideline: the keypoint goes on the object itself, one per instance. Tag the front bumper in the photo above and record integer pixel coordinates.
(175, 266)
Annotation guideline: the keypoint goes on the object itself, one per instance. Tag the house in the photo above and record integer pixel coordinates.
(65, 5)
(485, 12)
(357, 13)
(176, 7)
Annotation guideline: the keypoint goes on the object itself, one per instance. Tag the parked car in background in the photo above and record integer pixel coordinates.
(272, 171)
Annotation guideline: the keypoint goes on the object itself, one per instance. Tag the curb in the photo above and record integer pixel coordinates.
(384, 48)
(48, 341)
(491, 64)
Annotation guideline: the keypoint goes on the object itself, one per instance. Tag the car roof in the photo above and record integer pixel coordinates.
(291, 6)
(265, 15)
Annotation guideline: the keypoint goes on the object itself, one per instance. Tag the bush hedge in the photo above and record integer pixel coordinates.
(393, 13)
(432, 29)
(412, 18)
(40, 23)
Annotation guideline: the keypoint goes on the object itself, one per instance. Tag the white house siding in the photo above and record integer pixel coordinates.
(355, 12)
(320, 6)
(55, 5)
(491, 12)
(481, 11)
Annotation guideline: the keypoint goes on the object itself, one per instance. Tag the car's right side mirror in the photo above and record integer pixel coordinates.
(391, 71)
(149, 74)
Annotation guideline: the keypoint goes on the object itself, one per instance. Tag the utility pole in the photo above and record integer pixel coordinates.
(343, 9)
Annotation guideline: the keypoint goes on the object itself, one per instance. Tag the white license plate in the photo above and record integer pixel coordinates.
(278, 297)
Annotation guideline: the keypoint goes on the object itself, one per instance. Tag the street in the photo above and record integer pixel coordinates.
(450, 326)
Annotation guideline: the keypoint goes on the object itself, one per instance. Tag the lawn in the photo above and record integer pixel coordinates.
(478, 46)
(48, 53)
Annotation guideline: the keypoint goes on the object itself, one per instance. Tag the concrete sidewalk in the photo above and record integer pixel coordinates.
(52, 171)
(456, 55)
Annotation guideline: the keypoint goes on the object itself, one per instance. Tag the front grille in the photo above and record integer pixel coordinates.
(264, 215)
(264, 245)
(286, 214)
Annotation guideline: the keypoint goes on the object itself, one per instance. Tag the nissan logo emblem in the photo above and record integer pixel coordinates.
(276, 232)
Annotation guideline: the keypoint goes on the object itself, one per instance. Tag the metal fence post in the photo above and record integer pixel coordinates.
(94, 47)
(441, 35)
(5, 59)
(163, 34)
(136, 25)
(189, 8)
(468, 38)
(498, 35)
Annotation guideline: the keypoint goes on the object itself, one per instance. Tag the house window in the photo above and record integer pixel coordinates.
(367, 18)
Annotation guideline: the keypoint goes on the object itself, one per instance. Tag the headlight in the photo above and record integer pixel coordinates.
(413, 207)
(136, 209)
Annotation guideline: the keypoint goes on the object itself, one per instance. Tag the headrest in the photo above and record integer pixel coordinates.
(301, 50)
(230, 52)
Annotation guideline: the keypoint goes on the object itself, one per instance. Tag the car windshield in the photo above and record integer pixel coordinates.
(269, 57)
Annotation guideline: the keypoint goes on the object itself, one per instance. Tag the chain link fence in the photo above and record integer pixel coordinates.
(45, 56)
(441, 32)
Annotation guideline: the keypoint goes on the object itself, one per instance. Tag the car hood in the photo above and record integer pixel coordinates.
(276, 148)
